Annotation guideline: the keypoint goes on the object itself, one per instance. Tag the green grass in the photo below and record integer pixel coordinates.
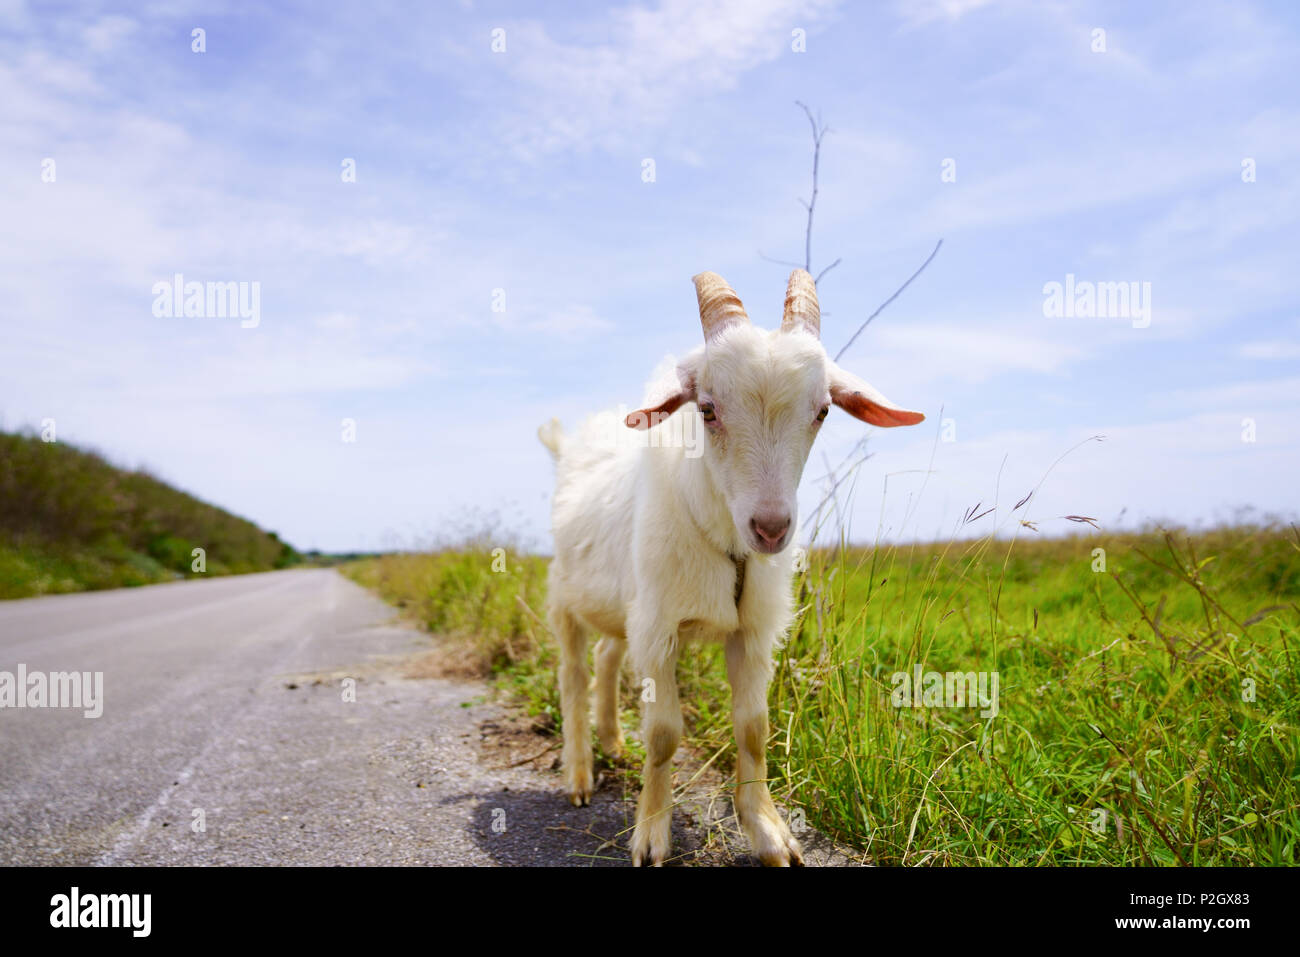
(1147, 711)
(71, 521)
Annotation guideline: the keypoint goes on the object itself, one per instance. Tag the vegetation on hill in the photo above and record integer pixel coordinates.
(71, 521)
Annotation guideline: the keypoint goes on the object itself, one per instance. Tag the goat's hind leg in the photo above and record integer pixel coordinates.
(574, 680)
(609, 659)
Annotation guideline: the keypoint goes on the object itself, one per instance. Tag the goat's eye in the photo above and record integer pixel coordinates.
(821, 416)
(706, 410)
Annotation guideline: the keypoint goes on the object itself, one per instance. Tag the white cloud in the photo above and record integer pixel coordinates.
(973, 351)
(568, 322)
(108, 33)
(916, 13)
(654, 59)
(1255, 394)
(1275, 349)
(338, 321)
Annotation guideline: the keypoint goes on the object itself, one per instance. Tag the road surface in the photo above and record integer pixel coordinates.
(226, 704)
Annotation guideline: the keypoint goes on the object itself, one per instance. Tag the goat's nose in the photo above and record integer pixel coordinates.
(770, 527)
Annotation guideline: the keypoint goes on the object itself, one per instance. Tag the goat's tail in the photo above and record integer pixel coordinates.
(551, 434)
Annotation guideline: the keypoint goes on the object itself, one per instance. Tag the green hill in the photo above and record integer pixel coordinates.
(71, 521)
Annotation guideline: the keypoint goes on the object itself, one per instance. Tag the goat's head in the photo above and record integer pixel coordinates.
(762, 397)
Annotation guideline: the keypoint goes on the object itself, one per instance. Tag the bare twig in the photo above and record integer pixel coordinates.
(533, 757)
(845, 475)
(824, 272)
(784, 262)
(818, 131)
(882, 306)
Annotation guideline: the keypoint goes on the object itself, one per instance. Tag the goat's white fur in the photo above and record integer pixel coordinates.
(645, 536)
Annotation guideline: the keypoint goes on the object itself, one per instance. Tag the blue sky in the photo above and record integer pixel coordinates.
(522, 171)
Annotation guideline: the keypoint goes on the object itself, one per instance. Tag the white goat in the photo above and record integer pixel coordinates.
(654, 547)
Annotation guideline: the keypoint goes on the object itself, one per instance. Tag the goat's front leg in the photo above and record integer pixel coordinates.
(662, 729)
(749, 671)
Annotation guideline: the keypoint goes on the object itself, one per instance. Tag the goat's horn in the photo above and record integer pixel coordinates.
(801, 309)
(720, 307)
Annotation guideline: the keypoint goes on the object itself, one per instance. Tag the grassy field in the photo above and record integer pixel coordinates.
(71, 521)
(1147, 698)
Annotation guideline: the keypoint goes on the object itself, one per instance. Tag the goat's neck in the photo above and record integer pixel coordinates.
(708, 506)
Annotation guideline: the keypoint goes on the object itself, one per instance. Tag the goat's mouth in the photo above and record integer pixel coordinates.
(767, 546)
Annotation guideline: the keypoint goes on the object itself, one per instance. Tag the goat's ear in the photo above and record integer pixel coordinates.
(862, 401)
(651, 416)
(643, 419)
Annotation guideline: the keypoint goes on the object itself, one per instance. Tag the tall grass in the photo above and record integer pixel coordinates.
(459, 593)
(1147, 711)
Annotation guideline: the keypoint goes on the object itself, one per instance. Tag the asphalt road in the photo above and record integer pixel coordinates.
(224, 703)
(227, 697)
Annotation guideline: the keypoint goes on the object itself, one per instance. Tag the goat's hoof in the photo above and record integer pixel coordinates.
(791, 855)
(774, 845)
(650, 845)
(578, 785)
(646, 859)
